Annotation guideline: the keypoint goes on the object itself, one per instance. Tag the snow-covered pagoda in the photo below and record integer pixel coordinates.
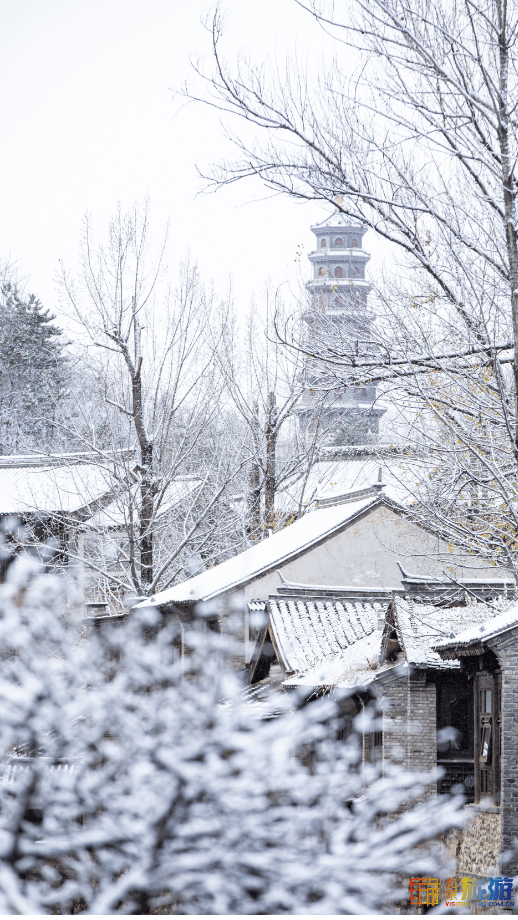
(338, 312)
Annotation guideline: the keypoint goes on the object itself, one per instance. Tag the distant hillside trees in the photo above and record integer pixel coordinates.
(33, 371)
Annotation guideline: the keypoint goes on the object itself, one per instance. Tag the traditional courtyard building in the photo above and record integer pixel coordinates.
(446, 676)
(73, 501)
(359, 548)
(353, 598)
(487, 654)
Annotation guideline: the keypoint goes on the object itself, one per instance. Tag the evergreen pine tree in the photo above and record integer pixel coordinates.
(33, 372)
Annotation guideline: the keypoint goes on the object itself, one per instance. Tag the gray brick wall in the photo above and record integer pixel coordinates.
(507, 652)
(232, 616)
(409, 729)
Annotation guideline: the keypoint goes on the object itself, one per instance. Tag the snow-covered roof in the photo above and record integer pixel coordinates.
(332, 254)
(328, 478)
(14, 773)
(115, 514)
(266, 699)
(274, 551)
(355, 668)
(336, 285)
(338, 219)
(420, 627)
(476, 635)
(51, 488)
(309, 633)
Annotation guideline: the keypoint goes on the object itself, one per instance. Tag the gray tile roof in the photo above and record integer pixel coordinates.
(369, 594)
(13, 773)
(307, 631)
(477, 633)
(421, 626)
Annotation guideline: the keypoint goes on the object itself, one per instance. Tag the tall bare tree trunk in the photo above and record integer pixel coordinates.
(509, 189)
(147, 494)
(254, 499)
(271, 432)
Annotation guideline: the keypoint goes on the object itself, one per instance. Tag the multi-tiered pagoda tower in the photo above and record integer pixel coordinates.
(339, 315)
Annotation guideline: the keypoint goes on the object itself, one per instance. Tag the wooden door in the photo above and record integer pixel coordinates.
(487, 735)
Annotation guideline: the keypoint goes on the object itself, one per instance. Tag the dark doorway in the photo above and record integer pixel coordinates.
(455, 733)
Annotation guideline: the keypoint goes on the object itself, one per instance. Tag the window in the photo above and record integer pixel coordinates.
(339, 243)
(354, 244)
(323, 244)
(356, 270)
(339, 272)
(484, 744)
(321, 272)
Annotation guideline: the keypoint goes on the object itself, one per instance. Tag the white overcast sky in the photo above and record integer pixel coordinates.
(88, 120)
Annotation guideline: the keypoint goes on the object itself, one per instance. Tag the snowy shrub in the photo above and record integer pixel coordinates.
(134, 785)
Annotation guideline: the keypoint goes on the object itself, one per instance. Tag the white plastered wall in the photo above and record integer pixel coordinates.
(366, 554)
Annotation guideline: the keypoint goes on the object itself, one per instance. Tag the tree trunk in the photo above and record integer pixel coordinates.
(255, 480)
(146, 519)
(509, 190)
(254, 499)
(271, 448)
(147, 485)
